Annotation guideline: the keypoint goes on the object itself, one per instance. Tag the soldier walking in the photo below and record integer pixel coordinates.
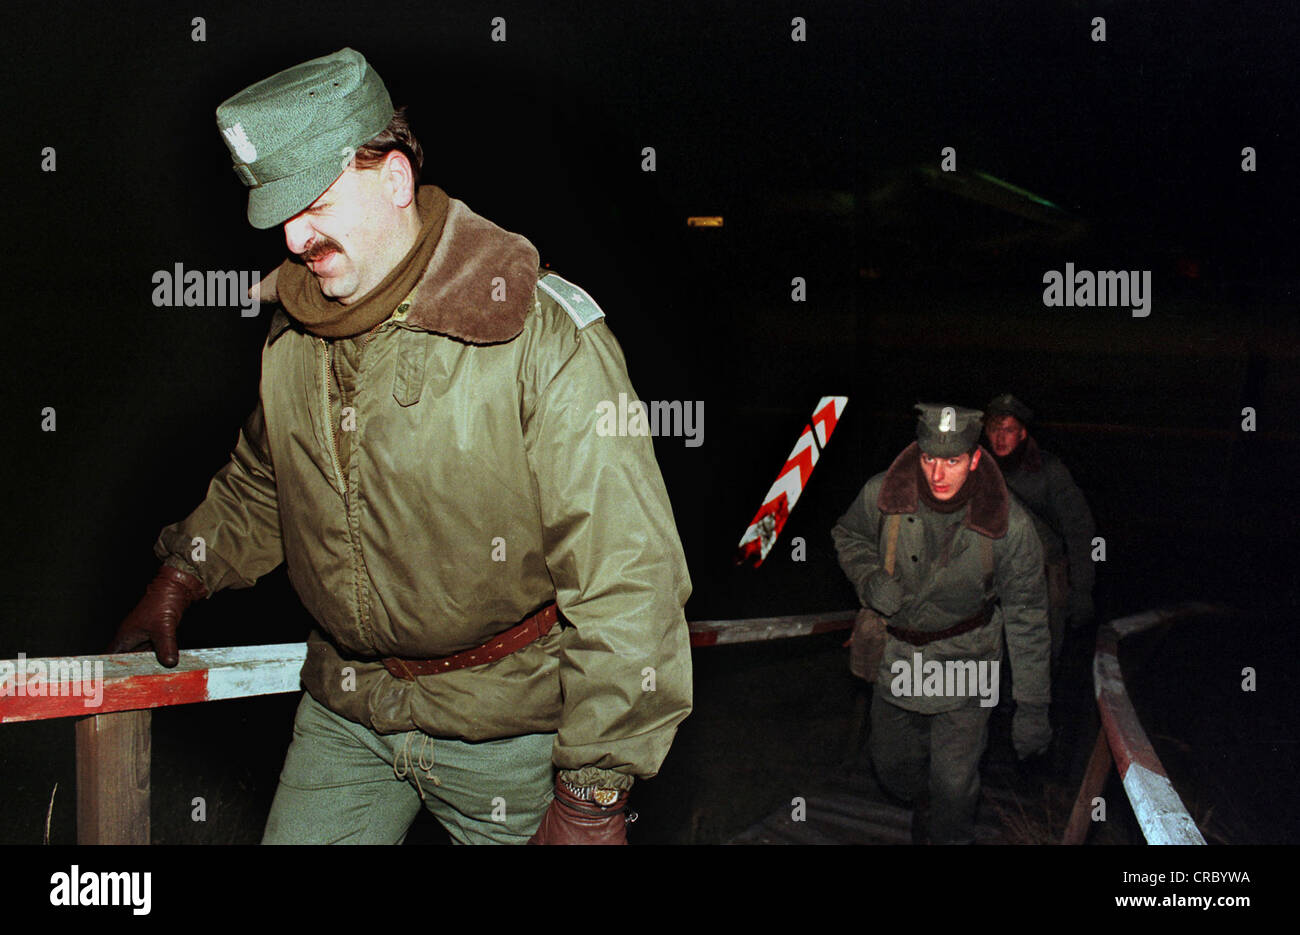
(1061, 517)
(944, 563)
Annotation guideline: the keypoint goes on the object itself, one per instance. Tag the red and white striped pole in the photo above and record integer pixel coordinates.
(76, 686)
(766, 526)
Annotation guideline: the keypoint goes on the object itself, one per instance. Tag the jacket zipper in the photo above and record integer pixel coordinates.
(326, 378)
(329, 417)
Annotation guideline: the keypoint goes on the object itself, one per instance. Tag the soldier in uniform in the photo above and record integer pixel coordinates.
(498, 589)
(937, 548)
(1044, 487)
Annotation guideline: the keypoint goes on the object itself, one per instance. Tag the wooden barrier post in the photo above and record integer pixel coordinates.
(113, 754)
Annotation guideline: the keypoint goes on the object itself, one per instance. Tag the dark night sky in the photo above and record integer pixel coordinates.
(1146, 127)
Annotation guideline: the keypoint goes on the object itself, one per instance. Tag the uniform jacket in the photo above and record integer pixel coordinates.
(473, 490)
(940, 568)
(1059, 511)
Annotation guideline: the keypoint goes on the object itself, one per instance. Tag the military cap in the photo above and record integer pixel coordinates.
(947, 431)
(1008, 405)
(292, 134)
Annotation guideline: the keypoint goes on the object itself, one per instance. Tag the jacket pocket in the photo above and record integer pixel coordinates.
(408, 381)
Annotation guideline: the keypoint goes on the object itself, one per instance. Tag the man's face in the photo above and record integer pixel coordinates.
(1005, 434)
(944, 476)
(345, 235)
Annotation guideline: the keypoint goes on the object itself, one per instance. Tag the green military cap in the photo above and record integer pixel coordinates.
(1008, 405)
(947, 431)
(292, 134)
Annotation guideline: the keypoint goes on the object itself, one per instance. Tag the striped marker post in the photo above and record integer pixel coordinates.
(766, 526)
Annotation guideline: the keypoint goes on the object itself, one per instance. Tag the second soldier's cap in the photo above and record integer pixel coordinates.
(1008, 405)
(947, 431)
(292, 135)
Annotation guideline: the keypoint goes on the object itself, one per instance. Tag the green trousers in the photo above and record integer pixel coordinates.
(932, 758)
(345, 784)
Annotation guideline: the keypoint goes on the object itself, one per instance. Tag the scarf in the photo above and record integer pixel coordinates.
(300, 294)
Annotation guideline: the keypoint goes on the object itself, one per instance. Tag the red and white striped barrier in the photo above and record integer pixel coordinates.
(76, 686)
(1160, 812)
(766, 526)
(756, 629)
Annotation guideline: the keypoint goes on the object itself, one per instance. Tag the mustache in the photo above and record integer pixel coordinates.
(319, 249)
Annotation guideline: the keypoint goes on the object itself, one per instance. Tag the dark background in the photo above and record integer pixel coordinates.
(816, 154)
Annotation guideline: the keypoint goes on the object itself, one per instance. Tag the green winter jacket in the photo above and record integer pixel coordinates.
(939, 591)
(473, 490)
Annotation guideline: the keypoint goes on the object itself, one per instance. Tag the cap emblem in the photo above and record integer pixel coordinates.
(240, 143)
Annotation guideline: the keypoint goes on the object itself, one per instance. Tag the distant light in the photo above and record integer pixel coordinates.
(713, 220)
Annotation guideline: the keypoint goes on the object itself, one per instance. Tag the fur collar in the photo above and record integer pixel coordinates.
(455, 295)
(989, 506)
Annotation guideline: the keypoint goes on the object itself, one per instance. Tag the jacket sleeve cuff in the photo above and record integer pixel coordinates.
(180, 564)
(592, 776)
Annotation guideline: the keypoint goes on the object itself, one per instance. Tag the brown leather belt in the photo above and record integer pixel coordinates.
(921, 637)
(502, 645)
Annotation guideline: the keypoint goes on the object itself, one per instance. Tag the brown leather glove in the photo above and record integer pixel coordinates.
(153, 622)
(570, 820)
